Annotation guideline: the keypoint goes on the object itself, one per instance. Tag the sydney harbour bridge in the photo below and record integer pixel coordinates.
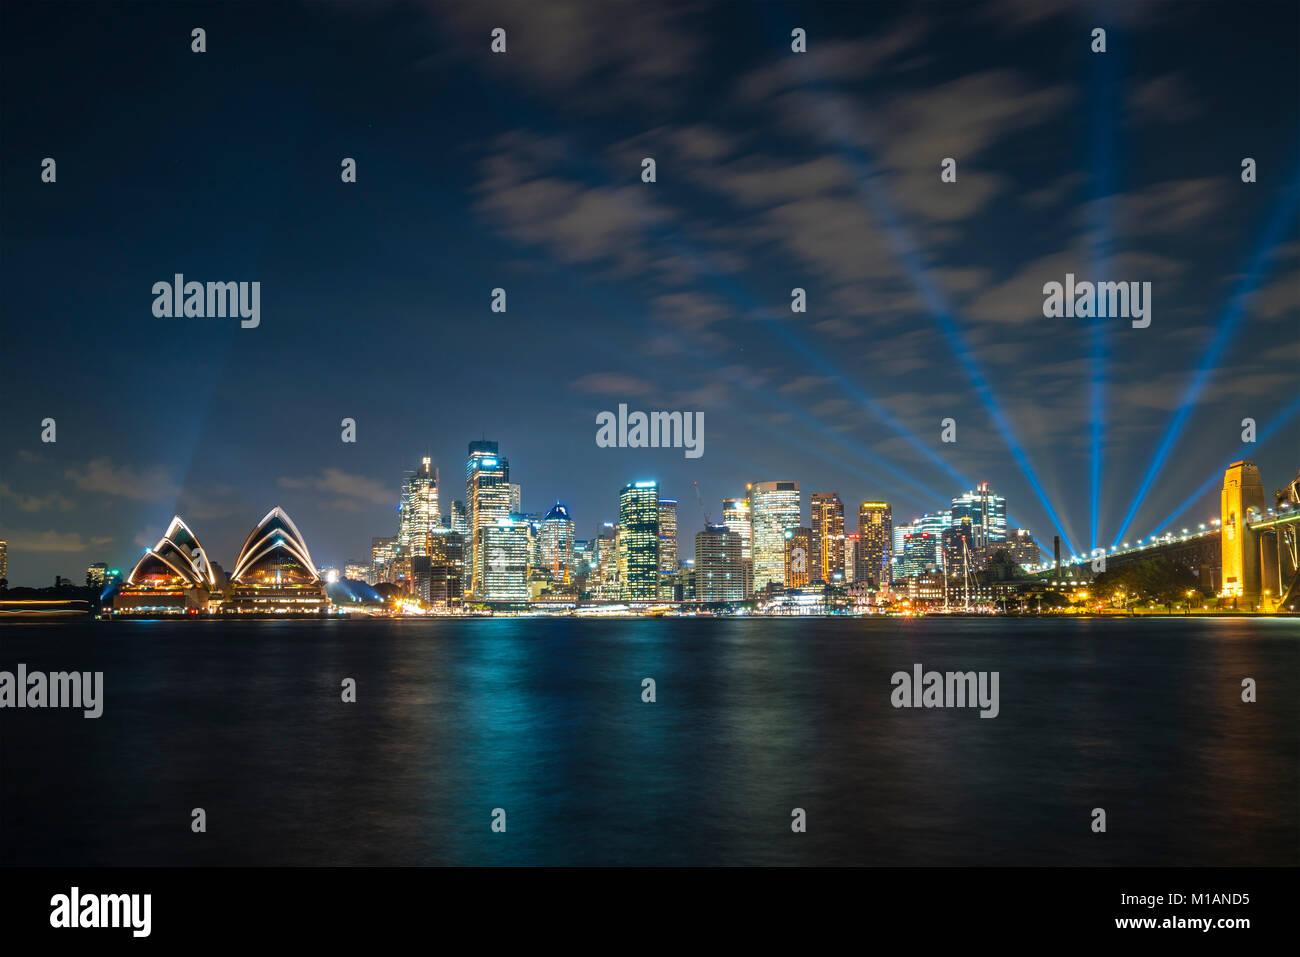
(1250, 556)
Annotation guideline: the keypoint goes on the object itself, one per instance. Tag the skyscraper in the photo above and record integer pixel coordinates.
(718, 568)
(917, 554)
(774, 507)
(735, 515)
(667, 546)
(934, 524)
(488, 498)
(987, 514)
(607, 585)
(556, 543)
(383, 558)
(800, 559)
(827, 537)
(459, 518)
(851, 540)
(504, 572)
(418, 515)
(638, 524)
(875, 543)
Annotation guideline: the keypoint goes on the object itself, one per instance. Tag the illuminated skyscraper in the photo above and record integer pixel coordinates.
(418, 512)
(827, 537)
(800, 559)
(446, 567)
(607, 584)
(638, 525)
(667, 546)
(735, 515)
(987, 514)
(556, 543)
(774, 508)
(875, 543)
(917, 554)
(718, 568)
(383, 560)
(488, 498)
(516, 498)
(851, 540)
(504, 572)
(459, 518)
(96, 574)
(934, 524)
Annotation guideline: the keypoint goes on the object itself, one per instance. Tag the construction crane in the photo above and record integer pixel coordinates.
(700, 499)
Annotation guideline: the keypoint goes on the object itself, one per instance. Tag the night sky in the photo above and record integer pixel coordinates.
(775, 170)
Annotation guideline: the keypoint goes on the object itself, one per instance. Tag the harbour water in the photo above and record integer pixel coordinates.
(753, 718)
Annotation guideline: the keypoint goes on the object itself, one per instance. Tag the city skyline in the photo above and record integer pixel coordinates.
(473, 175)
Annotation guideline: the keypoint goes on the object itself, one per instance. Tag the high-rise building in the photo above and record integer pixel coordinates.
(96, 574)
(488, 500)
(917, 554)
(719, 571)
(851, 540)
(986, 512)
(933, 524)
(383, 560)
(667, 547)
(735, 515)
(959, 551)
(774, 508)
(418, 513)
(555, 543)
(875, 543)
(516, 498)
(459, 518)
(828, 537)
(504, 571)
(446, 567)
(638, 532)
(4, 559)
(800, 559)
(1021, 547)
(607, 583)
(357, 571)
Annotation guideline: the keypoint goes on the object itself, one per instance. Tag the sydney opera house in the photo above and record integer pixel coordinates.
(273, 575)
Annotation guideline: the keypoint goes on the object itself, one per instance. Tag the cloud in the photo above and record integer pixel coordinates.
(611, 383)
(344, 484)
(30, 541)
(141, 485)
(35, 503)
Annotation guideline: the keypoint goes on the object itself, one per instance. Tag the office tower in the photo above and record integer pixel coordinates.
(667, 547)
(875, 543)
(851, 541)
(488, 499)
(446, 567)
(516, 498)
(357, 571)
(418, 510)
(735, 515)
(638, 535)
(1021, 547)
(917, 554)
(96, 574)
(383, 558)
(555, 543)
(773, 508)
(933, 524)
(607, 584)
(827, 537)
(800, 559)
(719, 570)
(4, 559)
(504, 566)
(459, 518)
(421, 577)
(959, 551)
(986, 513)
(668, 535)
